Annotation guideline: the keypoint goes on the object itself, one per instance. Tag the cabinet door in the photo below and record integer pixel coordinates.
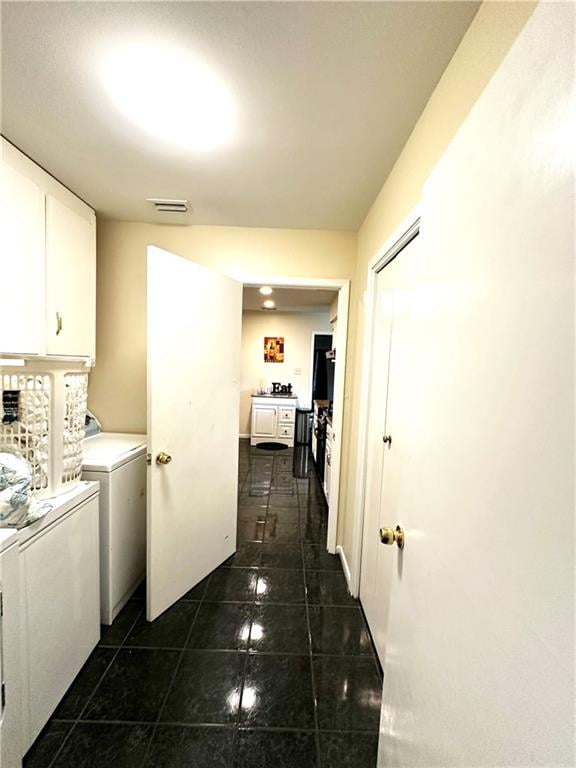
(70, 278)
(22, 273)
(62, 609)
(264, 421)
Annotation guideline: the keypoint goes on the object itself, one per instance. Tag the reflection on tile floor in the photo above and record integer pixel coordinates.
(267, 662)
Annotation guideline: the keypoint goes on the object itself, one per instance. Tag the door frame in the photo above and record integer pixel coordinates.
(340, 339)
(406, 232)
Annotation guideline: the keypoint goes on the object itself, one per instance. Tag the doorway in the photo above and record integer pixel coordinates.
(339, 326)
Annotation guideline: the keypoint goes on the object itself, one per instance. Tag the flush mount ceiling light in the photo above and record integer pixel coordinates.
(269, 304)
(170, 95)
(266, 290)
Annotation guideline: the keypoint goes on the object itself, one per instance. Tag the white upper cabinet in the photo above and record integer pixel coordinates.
(22, 271)
(70, 279)
(47, 264)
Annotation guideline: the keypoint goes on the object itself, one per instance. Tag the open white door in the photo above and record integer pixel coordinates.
(194, 325)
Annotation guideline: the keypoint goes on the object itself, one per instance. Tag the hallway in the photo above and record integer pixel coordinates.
(267, 662)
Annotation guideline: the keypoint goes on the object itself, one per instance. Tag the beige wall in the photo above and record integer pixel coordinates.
(297, 329)
(488, 39)
(118, 383)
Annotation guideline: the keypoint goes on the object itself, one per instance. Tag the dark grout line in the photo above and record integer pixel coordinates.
(225, 726)
(248, 651)
(276, 567)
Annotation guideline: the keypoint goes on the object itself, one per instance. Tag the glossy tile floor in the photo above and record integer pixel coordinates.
(267, 663)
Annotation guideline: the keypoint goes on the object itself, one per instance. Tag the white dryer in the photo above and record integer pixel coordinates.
(118, 461)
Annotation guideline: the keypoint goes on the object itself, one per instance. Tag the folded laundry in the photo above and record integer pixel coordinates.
(18, 507)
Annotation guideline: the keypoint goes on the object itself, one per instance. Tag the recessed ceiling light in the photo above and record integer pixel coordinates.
(170, 95)
(266, 290)
(269, 304)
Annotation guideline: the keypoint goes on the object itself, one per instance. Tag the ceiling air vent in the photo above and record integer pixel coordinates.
(169, 206)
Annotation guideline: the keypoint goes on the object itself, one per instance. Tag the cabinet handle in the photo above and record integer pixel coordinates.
(58, 323)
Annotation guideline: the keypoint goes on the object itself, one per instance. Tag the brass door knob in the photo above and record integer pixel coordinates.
(391, 535)
(163, 458)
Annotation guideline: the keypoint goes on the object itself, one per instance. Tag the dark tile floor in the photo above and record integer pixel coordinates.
(267, 663)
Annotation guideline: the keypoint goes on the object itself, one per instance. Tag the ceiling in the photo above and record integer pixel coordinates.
(290, 299)
(325, 93)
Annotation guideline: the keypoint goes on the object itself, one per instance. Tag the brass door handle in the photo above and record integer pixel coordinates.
(163, 458)
(391, 535)
(58, 323)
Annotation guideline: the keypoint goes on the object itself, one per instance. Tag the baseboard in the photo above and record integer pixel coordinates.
(243, 437)
(345, 566)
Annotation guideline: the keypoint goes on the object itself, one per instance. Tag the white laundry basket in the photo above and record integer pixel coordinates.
(42, 416)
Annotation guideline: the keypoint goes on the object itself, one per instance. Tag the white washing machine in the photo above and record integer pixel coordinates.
(118, 461)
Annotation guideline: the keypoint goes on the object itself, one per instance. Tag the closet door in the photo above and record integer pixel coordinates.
(22, 275)
(391, 398)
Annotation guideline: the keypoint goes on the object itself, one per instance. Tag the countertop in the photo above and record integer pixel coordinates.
(8, 536)
(278, 396)
(62, 504)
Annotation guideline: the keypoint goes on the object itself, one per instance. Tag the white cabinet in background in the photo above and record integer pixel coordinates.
(70, 279)
(273, 420)
(47, 263)
(22, 270)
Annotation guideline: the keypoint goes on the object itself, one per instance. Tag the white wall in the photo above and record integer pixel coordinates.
(297, 329)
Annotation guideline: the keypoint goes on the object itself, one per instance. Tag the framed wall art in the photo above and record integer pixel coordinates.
(273, 349)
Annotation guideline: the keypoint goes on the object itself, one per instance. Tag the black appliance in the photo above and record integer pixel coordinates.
(330, 372)
(322, 370)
